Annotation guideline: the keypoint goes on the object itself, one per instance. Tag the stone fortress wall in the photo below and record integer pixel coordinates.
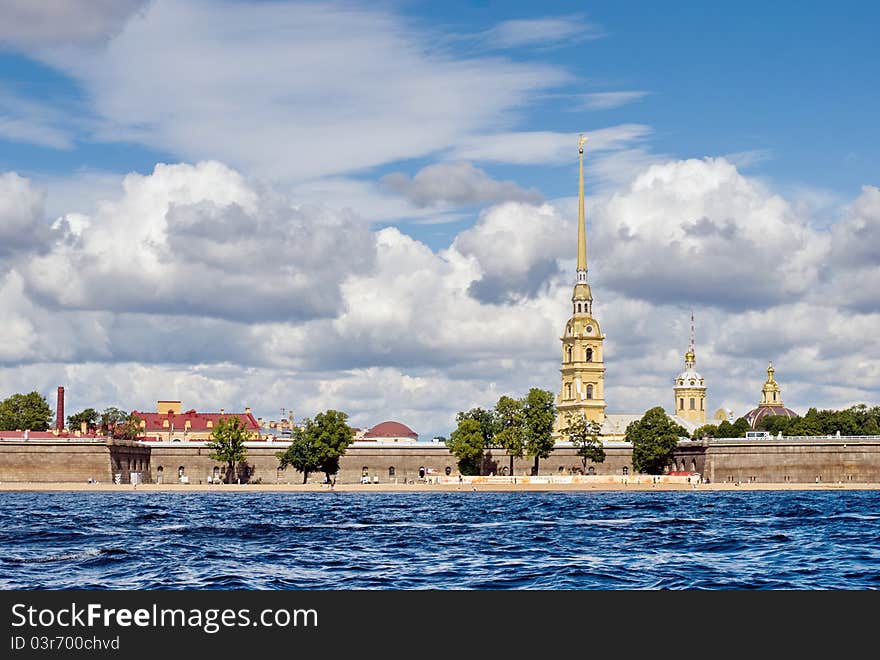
(771, 460)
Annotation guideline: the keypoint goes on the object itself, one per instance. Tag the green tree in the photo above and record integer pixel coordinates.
(775, 424)
(585, 436)
(227, 443)
(302, 454)
(111, 418)
(466, 444)
(21, 412)
(486, 419)
(539, 410)
(90, 416)
(654, 439)
(129, 430)
(706, 431)
(740, 427)
(322, 442)
(510, 423)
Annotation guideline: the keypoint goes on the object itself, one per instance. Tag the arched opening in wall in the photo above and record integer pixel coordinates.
(589, 355)
(365, 471)
(391, 471)
(701, 404)
(693, 404)
(693, 465)
(448, 471)
(160, 471)
(774, 396)
(568, 353)
(568, 390)
(181, 474)
(561, 469)
(215, 475)
(625, 470)
(591, 470)
(504, 471)
(579, 307)
(421, 472)
(589, 391)
(681, 404)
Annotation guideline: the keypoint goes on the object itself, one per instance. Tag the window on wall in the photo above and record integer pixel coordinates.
(589, 391)
(625, 471)
(774, 396)
(693, 404)
(589, 355)
(568, 353)
(681, 404)
(568, 390)
(391, 471)
(701, 404)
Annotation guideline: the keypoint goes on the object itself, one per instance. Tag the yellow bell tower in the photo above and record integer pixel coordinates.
(690, 388)
(583, 366)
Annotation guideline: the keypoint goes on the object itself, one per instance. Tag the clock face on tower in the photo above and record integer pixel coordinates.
(589, 329)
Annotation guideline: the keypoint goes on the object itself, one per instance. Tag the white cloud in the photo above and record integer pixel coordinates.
(609, 100)
(542, 32)
(31, 24)
(698, 231)
(288, 90)
(23, 229)
(537, 147)
(199, 240)
(455, 183)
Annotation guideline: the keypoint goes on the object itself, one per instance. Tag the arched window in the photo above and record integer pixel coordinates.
(365, 471)
(591, 470)
(701, 404)
(625, 471)
(568, 353)
(579, 307)
(589, 355)
(589, 391)
(448, 470)
(180, 471)
(681, 404)
(391, 471)
(693, 404)
(568, 390)
(774, 396)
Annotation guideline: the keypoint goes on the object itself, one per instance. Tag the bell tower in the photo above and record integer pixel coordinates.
(583, 367)
(690, 388)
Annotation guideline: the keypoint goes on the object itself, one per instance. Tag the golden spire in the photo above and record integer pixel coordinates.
(690, 357)
(582, 227)
(771, 393)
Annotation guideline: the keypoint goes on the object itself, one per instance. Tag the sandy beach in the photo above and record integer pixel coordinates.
(423, 487)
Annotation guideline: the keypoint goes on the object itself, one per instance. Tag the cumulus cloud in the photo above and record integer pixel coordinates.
(455, 183)
(23, 228)
(698, 230)
(854, 264)
(38, 23)
(516, 247)
(199, 240)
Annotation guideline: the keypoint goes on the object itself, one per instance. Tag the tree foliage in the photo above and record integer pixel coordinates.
(654, 439)
(303, 455)
(736, 430)
(705, 431)
(585, 436)
(855, 420)
(129, 430)
(539, 410)
(111, 418)
(466, 443)
(227, 443)
(486, 420)
(21, 412)
(90, 416)
(510, 420)
(318, 444)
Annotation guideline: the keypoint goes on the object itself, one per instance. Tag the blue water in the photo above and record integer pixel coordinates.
(642, 540)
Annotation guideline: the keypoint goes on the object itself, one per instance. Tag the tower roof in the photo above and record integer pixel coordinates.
(582, 224)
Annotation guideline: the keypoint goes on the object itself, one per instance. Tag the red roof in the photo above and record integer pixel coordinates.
(391, 430)
(197, 421)
(45, 435)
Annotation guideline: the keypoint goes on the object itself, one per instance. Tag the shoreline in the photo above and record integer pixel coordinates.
(421, 488)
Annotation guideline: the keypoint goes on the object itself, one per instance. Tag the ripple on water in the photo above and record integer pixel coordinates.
(642, 540)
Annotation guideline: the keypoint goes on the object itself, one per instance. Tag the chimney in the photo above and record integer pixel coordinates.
(59, 410)
(247, 410)
(222, 410)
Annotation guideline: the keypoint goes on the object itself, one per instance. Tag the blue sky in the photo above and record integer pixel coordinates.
(298, 167)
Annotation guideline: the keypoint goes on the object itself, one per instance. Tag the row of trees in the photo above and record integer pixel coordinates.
(855, 420)
(31, 411)
(522, 427)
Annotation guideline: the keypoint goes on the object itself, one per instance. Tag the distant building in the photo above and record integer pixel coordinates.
(169, 424)
(771, 402)
(389, 431)
(689, 388)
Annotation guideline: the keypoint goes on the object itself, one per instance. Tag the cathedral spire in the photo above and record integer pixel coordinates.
(690, 357)
(582, 225)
